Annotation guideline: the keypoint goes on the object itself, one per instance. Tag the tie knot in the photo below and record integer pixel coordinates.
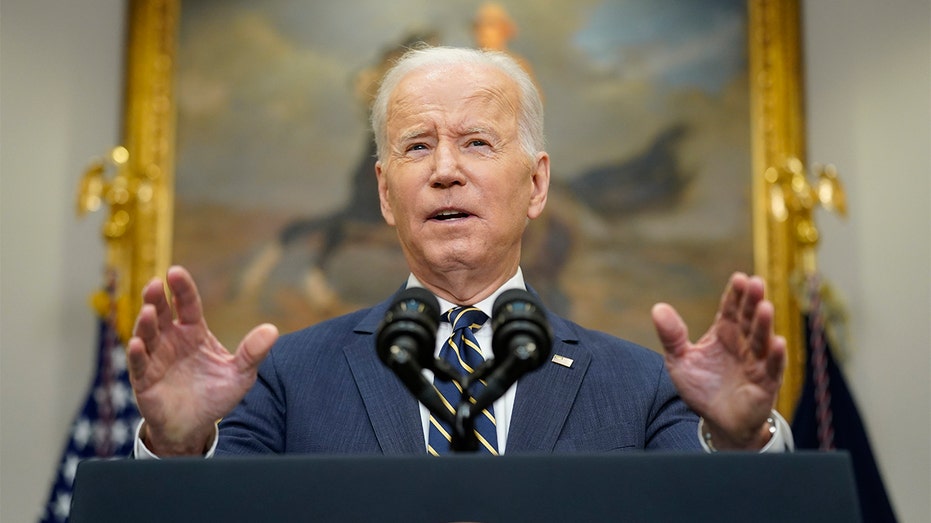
(466, 318)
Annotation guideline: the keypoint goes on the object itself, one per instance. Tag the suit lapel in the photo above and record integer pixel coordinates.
(545, 396)
(393, 411)
(536, 421)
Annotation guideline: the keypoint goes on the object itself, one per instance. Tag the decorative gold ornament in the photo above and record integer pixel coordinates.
(140, 191)
(777, 132)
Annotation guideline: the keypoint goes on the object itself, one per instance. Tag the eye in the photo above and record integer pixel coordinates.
(477, 142)
(416, 147)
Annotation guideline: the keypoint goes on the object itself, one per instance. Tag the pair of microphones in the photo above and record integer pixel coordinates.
(406, 341)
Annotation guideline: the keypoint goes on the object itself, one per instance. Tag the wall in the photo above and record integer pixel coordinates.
(869, 112)
(60, 91)
(868, 73)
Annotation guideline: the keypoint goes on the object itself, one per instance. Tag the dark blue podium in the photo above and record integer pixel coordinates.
(630, 487)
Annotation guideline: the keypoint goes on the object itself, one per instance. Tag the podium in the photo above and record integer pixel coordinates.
(629, 487)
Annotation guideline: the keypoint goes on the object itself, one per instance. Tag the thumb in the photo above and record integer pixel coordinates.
(672, 331)
(255, 346)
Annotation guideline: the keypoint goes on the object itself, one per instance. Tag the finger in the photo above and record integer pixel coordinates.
(751, 294)
(672, 331)
(731, 297)
(137, 359)
(184, 292)
(776, 360)
(147, 327)
(761, 331)
(154, 293)
(255, 346)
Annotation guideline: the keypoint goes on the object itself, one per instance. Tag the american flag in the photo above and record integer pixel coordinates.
(104, 426)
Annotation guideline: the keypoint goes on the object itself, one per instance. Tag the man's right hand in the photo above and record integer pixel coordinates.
(183, 378)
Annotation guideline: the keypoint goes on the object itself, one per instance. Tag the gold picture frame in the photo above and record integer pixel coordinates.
(138, 230)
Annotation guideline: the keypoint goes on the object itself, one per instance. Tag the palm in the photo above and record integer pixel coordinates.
(731, 375)
(187, 357)
(184, 379)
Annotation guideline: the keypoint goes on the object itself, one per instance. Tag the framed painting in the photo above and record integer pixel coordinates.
(247, 123)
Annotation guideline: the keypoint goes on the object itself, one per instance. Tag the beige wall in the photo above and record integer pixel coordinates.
(869, 89)
(60, 86)
(869, 112)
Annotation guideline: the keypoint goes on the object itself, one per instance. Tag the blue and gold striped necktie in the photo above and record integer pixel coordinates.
(461, 350)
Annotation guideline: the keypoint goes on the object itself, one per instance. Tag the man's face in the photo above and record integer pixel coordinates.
(455, 181)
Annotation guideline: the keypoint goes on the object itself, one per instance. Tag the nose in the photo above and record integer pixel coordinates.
(447, 169)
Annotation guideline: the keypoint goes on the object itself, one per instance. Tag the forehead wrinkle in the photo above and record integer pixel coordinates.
(408, 106)
(496, 95)
(500, 95)
(487, 123)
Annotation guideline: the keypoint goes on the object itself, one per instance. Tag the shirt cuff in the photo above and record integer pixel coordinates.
(780, 441)
(140, 451)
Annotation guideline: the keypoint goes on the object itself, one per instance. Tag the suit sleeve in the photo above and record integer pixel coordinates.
(257, 424)
(672, 425)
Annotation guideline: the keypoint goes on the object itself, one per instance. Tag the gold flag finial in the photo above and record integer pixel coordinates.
(107, 182)
(136, 179)
(793, 198)
(96, 189)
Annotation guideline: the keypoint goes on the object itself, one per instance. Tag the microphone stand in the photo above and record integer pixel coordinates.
(521, 340)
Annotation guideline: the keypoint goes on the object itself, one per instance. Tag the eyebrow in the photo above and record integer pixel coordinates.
(479, 130)
(413, 134)
(489, 132)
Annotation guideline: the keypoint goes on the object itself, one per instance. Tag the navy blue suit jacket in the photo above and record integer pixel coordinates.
(324, 390)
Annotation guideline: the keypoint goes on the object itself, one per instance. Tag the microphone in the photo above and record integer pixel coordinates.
(406, 339)
(521, 341)
(408, 331)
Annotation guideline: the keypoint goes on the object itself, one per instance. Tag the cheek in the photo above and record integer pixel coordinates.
(401, 201)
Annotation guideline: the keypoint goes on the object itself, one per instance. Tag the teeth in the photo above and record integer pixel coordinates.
(449, 214)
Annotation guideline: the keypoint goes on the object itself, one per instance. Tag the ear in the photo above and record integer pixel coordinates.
(540, 185)
(383, 199)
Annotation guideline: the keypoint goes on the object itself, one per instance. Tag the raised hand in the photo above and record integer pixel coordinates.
(732, 374)
(183, 378)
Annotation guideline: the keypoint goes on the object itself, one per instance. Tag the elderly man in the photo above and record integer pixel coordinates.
(461, 170)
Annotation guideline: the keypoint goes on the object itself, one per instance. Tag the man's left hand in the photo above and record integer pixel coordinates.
(731, 375)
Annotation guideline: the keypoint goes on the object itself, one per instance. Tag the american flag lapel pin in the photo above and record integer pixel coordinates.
(562, 360)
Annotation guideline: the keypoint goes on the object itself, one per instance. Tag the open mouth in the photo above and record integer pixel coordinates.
(450, 215)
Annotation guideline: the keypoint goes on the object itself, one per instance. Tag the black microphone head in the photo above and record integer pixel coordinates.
(417, 300)
(520, 328)
(409, 326)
